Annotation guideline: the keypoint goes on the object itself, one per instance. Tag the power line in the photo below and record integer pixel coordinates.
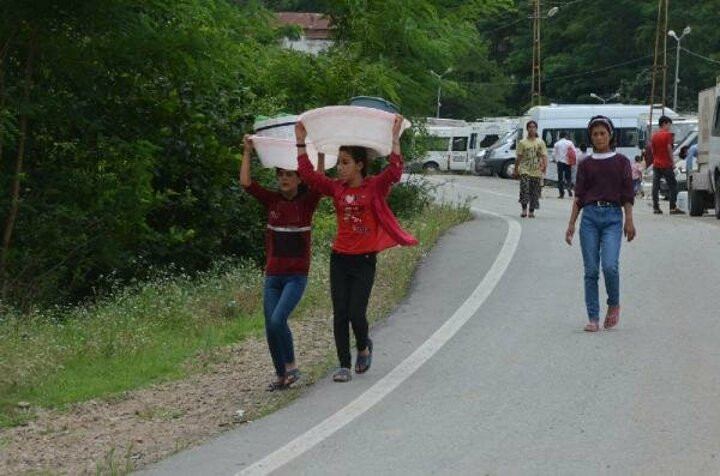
(524, 18)
(605, 68)
(699, 55)
(505, 26)
(567, 76)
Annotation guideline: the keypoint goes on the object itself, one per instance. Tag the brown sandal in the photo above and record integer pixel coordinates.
(592, 326)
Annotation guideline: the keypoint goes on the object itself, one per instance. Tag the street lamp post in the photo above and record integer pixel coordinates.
(439, 78)
(672, 34)
(604, 100)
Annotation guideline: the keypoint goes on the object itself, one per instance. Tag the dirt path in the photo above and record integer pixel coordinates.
(123, 433)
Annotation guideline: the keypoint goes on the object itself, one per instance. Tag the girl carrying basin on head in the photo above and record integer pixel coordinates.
(287, 247)
(365, 226)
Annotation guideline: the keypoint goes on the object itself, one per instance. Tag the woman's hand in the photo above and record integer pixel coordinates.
(300, 132)
(570, 233)
(629, 230)
(397, 126)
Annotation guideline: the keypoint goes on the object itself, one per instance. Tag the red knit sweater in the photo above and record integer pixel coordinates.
(287, 239)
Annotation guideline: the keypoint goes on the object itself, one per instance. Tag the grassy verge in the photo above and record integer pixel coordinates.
(172, 327)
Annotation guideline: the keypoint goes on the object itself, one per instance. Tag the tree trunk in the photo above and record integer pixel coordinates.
(2, 102)
(22, 138)
(3, 54)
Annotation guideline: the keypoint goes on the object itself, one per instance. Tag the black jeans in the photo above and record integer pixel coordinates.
(669, 175)
(564, 177)
(351, 281)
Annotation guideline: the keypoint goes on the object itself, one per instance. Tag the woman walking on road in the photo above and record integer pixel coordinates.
(365, 226)
(604, 189)
(530, 166)
(287, 248)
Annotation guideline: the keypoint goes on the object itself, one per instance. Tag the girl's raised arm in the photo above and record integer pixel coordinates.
(393, 171)
(315, 180)
(245, 178)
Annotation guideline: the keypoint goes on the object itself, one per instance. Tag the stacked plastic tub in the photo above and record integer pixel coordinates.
(274, 143)
(366, 122)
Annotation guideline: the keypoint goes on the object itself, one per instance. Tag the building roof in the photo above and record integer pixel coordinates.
(315, 26)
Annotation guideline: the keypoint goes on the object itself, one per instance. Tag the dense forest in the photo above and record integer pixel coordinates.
(121, 121)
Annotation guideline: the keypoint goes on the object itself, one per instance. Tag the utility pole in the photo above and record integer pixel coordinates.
(660, 29)
(536, 87)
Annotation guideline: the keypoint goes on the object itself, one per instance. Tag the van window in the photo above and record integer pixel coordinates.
(626, 137)
(459, 144)
(473, 140)
(489, 140)
(577, 135)
(716, 127)
(434, 143)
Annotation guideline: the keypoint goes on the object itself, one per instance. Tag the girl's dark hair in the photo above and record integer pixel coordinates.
(302, 186)
(359, 155)
(583, 147)
(531, 121)
(605, 122)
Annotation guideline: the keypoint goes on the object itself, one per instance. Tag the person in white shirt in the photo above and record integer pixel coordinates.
(582, 154)
(564, 169)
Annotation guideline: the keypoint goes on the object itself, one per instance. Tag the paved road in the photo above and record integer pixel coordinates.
(485, 369)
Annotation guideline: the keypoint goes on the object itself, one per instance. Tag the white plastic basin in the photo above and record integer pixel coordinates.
(331, 127)
(274, 152)
(282, 127)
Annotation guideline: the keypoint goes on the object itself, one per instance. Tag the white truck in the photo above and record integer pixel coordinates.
(704, 179)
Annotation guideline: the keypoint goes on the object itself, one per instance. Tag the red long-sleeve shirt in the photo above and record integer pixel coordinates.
(287, 239)
(365, 222)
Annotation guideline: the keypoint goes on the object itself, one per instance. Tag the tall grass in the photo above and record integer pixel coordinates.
(167, 328)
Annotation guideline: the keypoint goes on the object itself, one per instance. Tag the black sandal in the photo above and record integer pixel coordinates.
(292, 376)
(364, 361)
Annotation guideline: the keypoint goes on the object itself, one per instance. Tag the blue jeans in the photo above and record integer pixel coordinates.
(601, 231)
(281, 295)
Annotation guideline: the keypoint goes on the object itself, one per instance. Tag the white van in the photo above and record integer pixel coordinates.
(447, 148)
(569, 118)
(453, 144)
(499, 159)
(573, 119)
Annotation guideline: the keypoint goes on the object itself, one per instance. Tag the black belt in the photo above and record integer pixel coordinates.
(603, 203)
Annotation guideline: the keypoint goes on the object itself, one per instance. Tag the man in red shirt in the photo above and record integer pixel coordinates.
(662, 145)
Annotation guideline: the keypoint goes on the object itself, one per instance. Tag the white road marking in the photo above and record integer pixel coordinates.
(404, 370)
